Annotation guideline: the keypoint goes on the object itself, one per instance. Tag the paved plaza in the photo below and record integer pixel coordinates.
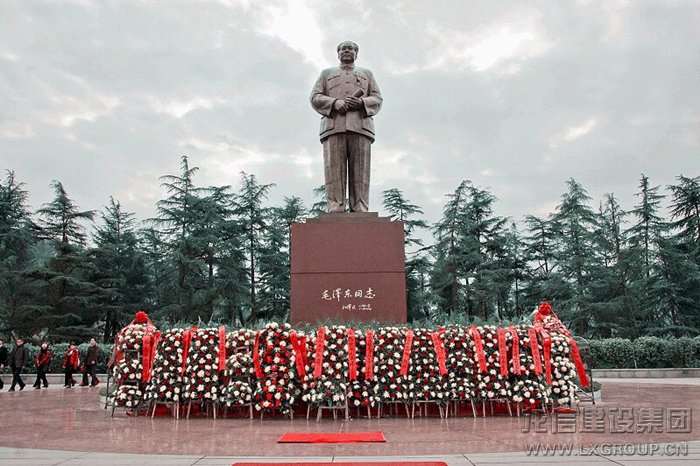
(69, 427)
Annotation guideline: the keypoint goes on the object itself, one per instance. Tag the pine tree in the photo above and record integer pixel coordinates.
(685, 211)
(275, 258)
(178, 217)
(448, 253)
(16, 244)
(119, 268)
(68, 303)
(612, 307)
(249, 209)
(574, 223)
(401, 209)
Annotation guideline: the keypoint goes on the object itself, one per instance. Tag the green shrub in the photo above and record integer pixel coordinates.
(683, 352)
(612, 353)
(652, 352)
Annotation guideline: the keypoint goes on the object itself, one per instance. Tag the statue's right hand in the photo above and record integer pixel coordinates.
(340, 106)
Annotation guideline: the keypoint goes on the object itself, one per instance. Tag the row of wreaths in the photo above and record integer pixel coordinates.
(277, 367)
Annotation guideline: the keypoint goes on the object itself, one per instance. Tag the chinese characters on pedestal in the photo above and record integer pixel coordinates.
(352, 300)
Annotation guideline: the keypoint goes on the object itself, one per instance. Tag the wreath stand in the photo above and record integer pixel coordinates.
(334, 408)
(456, 402)
(423, 408)
(392, 404)
(131, 383)
(174, 407)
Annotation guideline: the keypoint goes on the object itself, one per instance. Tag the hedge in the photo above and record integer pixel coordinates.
(645, 352)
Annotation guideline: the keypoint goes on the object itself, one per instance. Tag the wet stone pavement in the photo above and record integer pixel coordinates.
(73, 420)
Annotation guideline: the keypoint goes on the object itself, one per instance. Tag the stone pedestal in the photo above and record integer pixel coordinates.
(348, 267)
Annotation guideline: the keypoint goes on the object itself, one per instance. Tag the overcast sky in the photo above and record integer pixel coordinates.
(106, 96)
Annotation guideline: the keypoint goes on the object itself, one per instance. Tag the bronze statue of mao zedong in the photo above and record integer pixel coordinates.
(347, 97)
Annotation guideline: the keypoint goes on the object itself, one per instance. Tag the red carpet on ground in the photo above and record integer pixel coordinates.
(358, 463)
(331, 437)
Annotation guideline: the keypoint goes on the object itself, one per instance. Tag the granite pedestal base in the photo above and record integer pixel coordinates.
(348, 267)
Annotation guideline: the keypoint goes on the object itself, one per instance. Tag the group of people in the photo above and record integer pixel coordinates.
(18, 361)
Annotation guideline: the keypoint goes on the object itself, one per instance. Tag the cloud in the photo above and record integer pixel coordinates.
(295, 23)
(573, 133)
(107, 96)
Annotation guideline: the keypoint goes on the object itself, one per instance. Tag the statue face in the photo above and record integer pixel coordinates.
(347, 52)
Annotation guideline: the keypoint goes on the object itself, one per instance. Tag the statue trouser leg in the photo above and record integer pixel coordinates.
(335, 159)
(359, 148)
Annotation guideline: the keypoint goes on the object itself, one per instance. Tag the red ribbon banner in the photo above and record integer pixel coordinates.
(222, 348)
(256, 356)
(406, 353)
(517, 369)
(154, 348)
(439, 352)
(186, 340)
(352, 353)
(502, 351)
(146, 357)
(299, 352)
(479, 347)
(320, 344)
(547, 345)
(579, 363)
(369, 355)
(535, 350)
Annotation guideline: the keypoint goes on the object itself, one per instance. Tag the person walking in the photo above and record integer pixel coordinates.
(71, 360)
(3, 360)
(18, 361)
(93, 355)
(42, 361)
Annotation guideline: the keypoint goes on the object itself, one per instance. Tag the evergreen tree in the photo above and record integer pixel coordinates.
(574, 222)
(67, 302)
(249, 209)
(401, 209)
(118, 268)
(178, 217)
(275, 258)
(685, 211)
(540, 253)
(16, 244)
(645, 236)
(448, 253)
(612, 306)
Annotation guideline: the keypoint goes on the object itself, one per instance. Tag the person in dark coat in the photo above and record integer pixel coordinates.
(71, 360)
(18, 361)
(3, 360)
(91, 358)
(42, 361)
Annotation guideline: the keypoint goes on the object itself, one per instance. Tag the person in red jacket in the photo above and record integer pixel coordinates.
(70, 362)
(42, 360)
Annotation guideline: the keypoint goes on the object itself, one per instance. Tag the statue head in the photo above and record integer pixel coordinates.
(347, 51)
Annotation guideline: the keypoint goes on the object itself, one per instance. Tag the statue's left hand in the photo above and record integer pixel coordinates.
(354, 103)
